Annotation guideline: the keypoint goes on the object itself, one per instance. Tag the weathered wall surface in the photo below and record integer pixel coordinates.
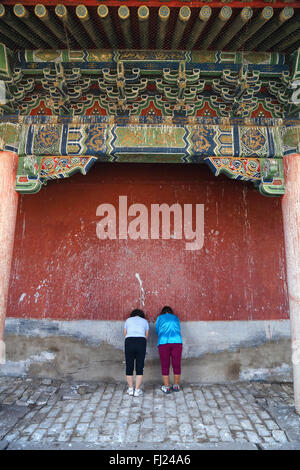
(63, 274)
(93, 350)
(61, 269)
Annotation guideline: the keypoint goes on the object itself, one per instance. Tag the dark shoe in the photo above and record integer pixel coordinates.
(176, 388)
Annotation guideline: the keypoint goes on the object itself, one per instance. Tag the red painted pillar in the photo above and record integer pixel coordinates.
(291, 221)
(8, 212)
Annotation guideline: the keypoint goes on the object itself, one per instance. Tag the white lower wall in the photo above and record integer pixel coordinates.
(212, 351)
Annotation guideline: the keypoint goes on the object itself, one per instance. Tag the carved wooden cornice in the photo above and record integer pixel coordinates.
(134, 82)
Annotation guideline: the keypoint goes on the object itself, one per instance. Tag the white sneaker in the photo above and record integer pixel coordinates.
(138, 392)
(130, 391)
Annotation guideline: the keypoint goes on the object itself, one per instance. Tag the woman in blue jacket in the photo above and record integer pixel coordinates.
(169, 346)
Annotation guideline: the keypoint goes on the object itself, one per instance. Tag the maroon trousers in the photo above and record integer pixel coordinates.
(168, 351)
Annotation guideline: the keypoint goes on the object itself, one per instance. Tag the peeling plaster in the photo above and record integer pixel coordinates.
(94, 350)
(142, 291)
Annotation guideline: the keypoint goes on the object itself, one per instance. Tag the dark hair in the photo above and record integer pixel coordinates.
(166, 309)
(137, 313)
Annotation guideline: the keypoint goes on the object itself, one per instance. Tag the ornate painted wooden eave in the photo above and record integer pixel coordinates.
(152, 108)
(56, 149)
(130, 82)
(68, 105)
(132, 141)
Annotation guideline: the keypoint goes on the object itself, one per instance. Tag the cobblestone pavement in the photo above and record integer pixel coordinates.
(49, 411)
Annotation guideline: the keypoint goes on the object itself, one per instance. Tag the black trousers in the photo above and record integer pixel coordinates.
(135, 350)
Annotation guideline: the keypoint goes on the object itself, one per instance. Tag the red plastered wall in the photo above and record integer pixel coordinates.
(61, 270)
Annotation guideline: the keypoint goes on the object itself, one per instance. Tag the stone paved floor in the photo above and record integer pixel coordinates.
(47, 411)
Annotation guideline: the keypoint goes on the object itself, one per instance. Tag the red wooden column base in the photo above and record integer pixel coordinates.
(8, 212)
(291, 221)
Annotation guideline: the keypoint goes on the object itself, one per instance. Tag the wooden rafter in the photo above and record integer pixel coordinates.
(150, 25)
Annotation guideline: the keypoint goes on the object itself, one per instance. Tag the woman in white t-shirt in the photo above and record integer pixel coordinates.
(136, 331)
